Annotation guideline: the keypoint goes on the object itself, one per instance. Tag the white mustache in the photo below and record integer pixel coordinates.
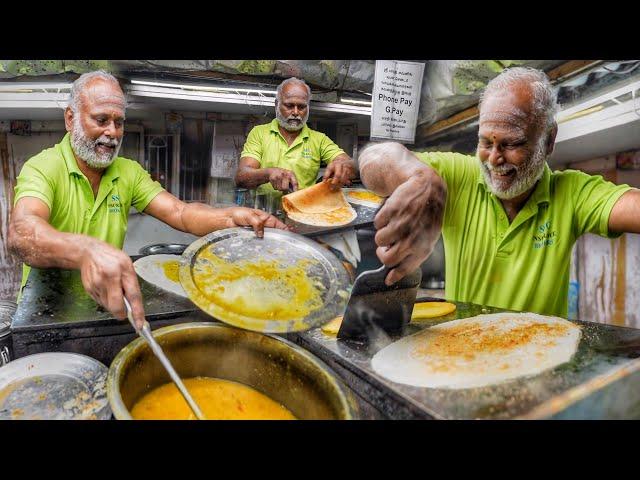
(107, 142)
(502, 169)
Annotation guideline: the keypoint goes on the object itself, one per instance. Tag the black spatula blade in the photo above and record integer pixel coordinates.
(374, 306)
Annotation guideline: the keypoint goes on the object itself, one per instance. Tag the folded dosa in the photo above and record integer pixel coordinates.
(479, 351)
(319, 205)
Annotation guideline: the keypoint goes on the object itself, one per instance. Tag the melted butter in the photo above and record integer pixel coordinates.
(218, 399)
(259, 289)
(171, 270)
(366, 196)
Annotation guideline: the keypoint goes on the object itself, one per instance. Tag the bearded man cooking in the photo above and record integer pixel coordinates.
(508, 222)
(72, 201)
(286, 155)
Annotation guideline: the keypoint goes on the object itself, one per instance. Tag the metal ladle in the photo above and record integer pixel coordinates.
(145, 332)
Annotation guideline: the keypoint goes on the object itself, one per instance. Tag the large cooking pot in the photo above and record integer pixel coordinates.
(275, 367)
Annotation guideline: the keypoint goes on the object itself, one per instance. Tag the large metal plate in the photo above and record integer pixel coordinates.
(287, 249)
(54, 386)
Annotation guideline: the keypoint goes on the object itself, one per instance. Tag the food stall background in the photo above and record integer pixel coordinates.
(187, 121)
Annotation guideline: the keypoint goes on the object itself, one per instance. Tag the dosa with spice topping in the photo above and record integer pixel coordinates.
(319, 206)
(479, 351)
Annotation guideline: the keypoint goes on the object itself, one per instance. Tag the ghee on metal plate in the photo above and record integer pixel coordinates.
(54, 386)
(287, 249)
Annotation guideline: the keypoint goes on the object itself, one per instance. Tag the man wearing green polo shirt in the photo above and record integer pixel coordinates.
(285, 155)
(508, 222)
(72, 201)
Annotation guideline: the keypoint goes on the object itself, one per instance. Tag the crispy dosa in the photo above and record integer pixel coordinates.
(161, 270)
(319, 205)
(479, 351)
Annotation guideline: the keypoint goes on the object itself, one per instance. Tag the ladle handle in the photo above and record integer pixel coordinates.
(145, 332)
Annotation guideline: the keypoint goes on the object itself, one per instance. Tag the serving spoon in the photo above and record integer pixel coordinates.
(145, 332)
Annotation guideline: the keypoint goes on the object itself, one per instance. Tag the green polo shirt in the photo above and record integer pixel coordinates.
(522, 265)
(54, 177)
(308, 151)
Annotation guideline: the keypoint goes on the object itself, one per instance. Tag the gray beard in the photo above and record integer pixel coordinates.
(526, 175)
(85, 148)
(291, 128)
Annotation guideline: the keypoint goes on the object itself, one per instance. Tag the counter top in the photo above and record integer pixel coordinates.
(55, 298)
(516, 398)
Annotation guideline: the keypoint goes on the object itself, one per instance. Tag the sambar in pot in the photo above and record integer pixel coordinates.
(275, 367)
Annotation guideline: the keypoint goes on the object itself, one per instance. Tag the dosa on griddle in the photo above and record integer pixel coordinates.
(154, 269)
(479, 351)
(319, 205)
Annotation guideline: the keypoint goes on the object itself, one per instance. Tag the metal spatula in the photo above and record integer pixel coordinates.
(374, 305)
(145, 332)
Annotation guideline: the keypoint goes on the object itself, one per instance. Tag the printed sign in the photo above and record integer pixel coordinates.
(396, 100)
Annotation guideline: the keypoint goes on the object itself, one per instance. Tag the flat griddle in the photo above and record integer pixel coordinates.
(600, 382)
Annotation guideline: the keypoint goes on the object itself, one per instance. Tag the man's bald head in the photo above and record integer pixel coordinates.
(516, 131)
(293, 85)
(84, 83)
(95, 118)
(521, 94)
(292, 104)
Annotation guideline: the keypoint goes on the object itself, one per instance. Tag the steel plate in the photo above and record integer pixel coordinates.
(54, 386)
(232, 245)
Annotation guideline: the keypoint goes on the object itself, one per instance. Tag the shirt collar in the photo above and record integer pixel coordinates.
(111, 173)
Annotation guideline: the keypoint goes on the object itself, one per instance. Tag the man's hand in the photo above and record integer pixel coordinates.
(107, 274)
(257, 219)
(410, 221)
(283, 180)
(409, 224)
(340, 172)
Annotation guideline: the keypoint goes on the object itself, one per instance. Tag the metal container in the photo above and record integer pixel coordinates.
(275, 367)
(54, 386)
(322, 271)
(163, 248)
(7, 309)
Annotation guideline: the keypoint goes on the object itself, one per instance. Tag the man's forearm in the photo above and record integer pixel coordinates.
(200, 219)
(248, 177)
(40, 245)
(386, 166)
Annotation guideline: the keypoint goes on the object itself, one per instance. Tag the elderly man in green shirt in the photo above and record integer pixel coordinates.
(285, 155)
(72, 201)
(508, 222)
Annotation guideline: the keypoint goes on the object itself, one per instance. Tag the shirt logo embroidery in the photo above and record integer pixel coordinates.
(306, 152)
(544, 236)
(114, 205)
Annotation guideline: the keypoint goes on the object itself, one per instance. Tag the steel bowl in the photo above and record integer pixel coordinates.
(272, 365)
(166, 248)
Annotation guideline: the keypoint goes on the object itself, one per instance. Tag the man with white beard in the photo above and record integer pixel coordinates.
(285, 155)
(72, 201)
(508, 222)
